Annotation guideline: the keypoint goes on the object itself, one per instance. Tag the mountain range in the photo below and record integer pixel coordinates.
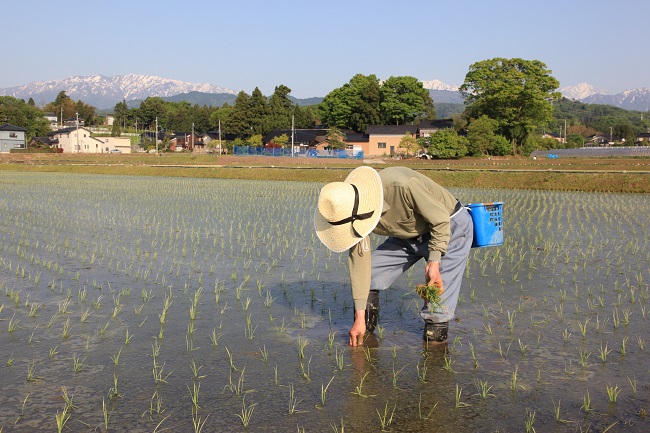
(104, 92)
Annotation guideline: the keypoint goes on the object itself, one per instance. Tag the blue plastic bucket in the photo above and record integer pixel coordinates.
(488, 223)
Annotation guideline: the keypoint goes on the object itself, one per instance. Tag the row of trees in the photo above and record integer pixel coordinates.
(365, 101)
(249, 115)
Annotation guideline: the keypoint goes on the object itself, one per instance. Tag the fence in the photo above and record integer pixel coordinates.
(312, 153)
(592, 152)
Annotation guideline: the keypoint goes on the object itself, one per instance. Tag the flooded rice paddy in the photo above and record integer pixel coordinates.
(161, 304)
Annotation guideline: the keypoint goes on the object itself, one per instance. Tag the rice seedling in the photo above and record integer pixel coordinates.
(459, 403)
(604, 351)
(61, 419)
(586, 403)
(633, 385)
(449, 362)
(13, 324)
(293, 400)
(302, 343)
(513, 380)
(77, 362)
(623, 345)
(195, 370)
(264, 354)
(359, 389)
(305, 371)
(482, 389)
(421, 414)
(194, 395)
(384, 419)
(640, 342)
(246, 412)
(396, 375)
(584, 356)
(612, 393)
(31, 370)
(530, 420)
(106, 415)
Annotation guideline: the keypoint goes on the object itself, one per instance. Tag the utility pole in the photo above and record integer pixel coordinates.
(78, 148)
(156, 135)
(192, 136)
(292, 133)
(219, 137)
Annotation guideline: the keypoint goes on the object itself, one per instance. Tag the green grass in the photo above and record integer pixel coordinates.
(569, 174)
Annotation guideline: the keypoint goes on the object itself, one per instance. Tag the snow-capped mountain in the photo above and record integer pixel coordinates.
(104, 92)
(581, 91)
(637, 99)
(439, 85)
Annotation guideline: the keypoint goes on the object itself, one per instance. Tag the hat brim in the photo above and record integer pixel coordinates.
(339, 238)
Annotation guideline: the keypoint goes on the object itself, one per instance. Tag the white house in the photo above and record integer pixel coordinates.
(11, 137)
(54, 121)
(79, 140)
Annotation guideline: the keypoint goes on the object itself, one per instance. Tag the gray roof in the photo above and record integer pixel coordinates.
(391, 129)
(10, 127)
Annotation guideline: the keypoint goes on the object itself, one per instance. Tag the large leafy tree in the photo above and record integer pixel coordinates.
(355, 105)
(446, 143)
(18, 113)
(366, 101)
(62, 104)
(409, 143)
(481, 134)
(517, 93)
(150, 109)
(404, 100)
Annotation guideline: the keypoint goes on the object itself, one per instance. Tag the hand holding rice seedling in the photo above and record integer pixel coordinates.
(430, 292)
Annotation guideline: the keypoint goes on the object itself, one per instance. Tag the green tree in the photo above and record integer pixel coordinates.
(116, 131)
(409, 143)
(86, 112)
(220, 116)
(258, 112)
(121, 113)
(280, 140)
(446, 144)
(516, 93)
(255, 140)
(238, 121)
(481, 135)
(501, 146)
(404, 100)
(150, 109)
(17, 112)
(280, 108)
(354, 106)
(62, 105)
(335, 138)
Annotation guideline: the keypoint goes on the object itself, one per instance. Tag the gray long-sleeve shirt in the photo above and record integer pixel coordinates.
(413, 205)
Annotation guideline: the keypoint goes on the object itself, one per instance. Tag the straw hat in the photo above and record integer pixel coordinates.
(349, 210)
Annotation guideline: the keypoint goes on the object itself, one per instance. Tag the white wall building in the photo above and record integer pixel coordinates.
(79, 140)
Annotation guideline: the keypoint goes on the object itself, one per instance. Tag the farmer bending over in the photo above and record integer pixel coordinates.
(422, 221)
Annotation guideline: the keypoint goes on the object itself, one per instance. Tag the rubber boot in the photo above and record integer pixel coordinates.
(372, 310)
(435, 332)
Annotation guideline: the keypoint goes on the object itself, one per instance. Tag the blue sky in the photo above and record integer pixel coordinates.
(315, 47)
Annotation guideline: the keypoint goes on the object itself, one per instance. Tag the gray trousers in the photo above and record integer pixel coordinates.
(395, 256)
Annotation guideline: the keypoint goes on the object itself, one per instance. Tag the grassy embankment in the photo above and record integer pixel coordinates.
(575, 174)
